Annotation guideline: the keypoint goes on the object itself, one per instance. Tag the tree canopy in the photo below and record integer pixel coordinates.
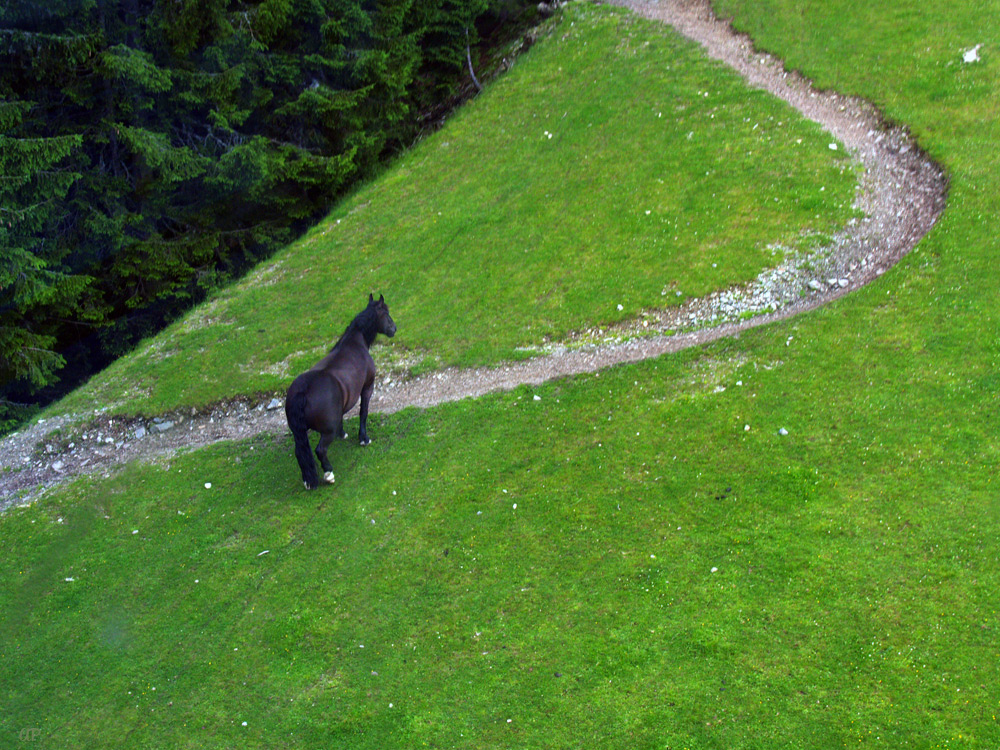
(152, 149)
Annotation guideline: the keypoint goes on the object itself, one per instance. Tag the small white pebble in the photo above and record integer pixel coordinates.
(715, 570)
(515, 506)
(833, 146)
(135, 531)
(208, 485)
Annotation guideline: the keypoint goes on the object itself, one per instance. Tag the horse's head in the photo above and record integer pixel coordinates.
(386, 326)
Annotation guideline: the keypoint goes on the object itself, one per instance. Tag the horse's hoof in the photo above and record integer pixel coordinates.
(366, 441)
(309, 486)
(344, 436)
(328, 477)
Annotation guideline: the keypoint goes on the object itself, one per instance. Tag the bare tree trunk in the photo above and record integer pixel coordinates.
(468, 57)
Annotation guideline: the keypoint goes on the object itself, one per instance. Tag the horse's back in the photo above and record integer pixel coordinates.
(354, 369)
(334, 384)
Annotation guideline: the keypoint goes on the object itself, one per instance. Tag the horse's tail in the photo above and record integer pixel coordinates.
(295, 413)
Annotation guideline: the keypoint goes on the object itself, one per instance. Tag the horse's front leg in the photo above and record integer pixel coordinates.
(366, 394)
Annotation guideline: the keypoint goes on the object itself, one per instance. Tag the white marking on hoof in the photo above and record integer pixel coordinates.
(366, 441)
(306, 485)
(328, 477)
(344, 436)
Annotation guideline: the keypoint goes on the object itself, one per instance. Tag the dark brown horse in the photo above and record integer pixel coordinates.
(319, 398)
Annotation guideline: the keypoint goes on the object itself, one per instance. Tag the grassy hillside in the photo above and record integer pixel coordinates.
(668, 578)
(620, 564)
(613, 166)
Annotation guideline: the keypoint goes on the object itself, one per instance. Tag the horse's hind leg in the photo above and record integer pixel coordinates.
(366, 394)
(325, 439)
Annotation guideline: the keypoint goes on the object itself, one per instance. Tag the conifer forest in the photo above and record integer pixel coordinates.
(151, 150)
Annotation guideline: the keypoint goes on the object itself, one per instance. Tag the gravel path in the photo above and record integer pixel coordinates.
(902, 193)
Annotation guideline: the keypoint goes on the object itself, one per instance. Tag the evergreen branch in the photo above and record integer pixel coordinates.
(18, 33)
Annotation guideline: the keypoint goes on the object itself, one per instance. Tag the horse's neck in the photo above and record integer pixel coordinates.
(358, 336)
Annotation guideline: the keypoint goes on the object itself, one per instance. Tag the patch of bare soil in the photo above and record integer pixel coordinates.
(902, 193)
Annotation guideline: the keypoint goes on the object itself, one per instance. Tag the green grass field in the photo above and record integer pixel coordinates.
(620, 564)
(553, 198)
(668, 578)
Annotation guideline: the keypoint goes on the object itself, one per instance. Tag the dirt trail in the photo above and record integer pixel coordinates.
(902, 193)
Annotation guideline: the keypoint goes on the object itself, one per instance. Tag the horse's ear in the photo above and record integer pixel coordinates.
(381, 299)
(371, 297)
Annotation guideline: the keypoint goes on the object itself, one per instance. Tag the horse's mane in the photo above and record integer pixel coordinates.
(366, 322)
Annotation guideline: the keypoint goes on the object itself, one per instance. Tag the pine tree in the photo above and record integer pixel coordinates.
(34, 285)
